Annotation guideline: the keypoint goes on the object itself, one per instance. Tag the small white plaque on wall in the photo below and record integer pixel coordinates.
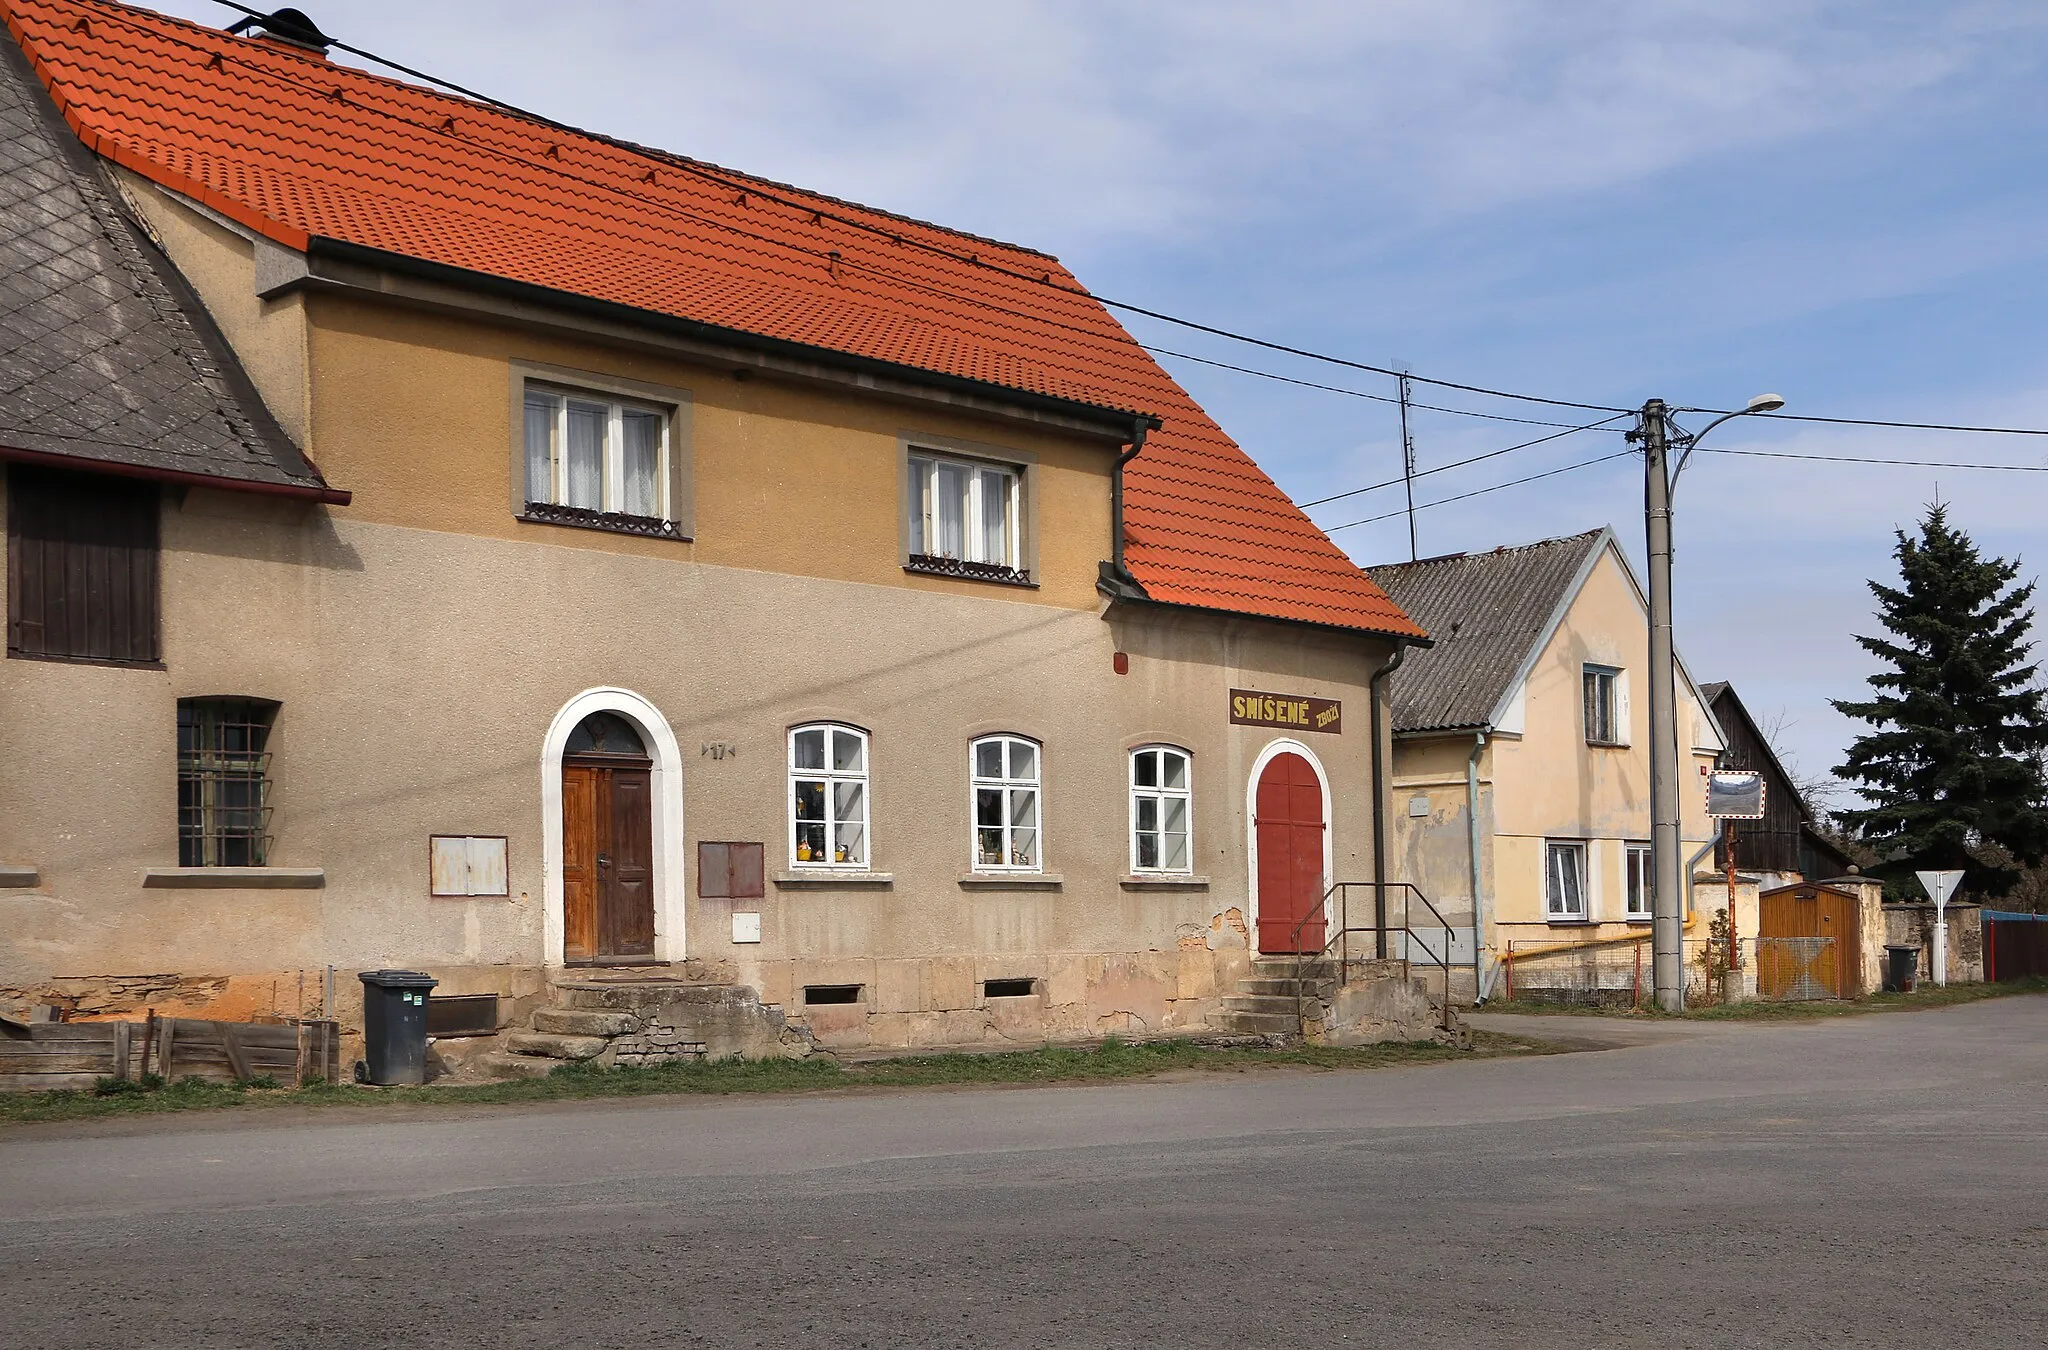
(746, 928)
(468, 864)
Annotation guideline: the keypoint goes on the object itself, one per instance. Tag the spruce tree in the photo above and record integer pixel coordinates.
(1952, 775)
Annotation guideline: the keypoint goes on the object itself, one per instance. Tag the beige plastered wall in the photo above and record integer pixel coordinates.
(421, 642)
(1546, 783)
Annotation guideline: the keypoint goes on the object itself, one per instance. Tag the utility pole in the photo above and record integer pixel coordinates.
(1666, 930)
(1408, 467)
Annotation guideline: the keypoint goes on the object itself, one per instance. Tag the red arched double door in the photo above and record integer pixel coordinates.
(1287, 821)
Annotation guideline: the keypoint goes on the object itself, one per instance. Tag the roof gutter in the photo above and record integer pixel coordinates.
(83, 464)
(1118, 574)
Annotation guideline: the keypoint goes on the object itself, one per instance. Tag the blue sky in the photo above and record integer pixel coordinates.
(1595, 200)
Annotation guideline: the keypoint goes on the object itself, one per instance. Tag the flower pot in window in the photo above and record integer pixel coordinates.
(803, 851)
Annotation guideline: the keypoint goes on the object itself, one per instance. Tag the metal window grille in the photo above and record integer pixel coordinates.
(224, 782)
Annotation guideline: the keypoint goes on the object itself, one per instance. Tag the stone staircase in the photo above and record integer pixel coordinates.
(1318, 999)
(643, 1020)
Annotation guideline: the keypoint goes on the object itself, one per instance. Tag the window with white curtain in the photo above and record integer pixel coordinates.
(964, 512)
(1160, 810)
(592, 452)
(828, 797)
(1005, 776)
(1564, 899)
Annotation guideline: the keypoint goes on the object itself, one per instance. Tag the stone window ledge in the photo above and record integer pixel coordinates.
(19, 876)
(822, 878)
(1012, 881)
(235, 878)
(1164, 881)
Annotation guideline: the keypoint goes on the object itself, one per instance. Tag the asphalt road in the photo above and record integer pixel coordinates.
(1877, 1181)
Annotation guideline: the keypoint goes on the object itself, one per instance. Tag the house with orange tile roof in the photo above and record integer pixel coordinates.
(704, 585)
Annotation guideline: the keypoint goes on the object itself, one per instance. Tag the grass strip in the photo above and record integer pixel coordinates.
(1109, 1061)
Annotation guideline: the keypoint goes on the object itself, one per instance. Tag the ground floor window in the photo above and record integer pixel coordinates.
(828, 797)
(1641, 882)
(1006, 820)
(224, 781)
(1160, 810)
(1564, 881)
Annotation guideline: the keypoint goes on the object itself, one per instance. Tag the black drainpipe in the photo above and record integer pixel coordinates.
(1379, 802)
(1116, 492)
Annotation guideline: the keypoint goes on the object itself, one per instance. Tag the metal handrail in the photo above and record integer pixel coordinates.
(1342, 940)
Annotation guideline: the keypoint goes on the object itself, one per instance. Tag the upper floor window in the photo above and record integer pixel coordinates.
(1564, 865)
(1606, 705)
(1006, 819)
(595, 460)
(82, 568)
(1160, 810)
(964, 518)
(224, 781)
(828, 796)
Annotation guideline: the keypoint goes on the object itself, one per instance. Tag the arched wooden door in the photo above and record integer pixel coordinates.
(607, 845)
(1287, 816)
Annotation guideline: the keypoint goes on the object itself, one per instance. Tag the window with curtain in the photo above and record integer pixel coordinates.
(1564, 898)
(1005, 780)
(828, 797)
(964, 518)
(1641, 882)
(1160, 810)
(590, 455)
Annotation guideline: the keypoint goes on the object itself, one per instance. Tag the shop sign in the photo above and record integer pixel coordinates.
(1296, 712)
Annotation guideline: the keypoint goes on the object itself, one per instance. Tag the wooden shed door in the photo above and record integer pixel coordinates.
(1807, 912)
(1288, 821)
(607, 862)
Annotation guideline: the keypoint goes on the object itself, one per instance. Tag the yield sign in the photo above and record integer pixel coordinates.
(1939, 885)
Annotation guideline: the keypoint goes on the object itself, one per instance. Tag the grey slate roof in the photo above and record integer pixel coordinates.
(107, 358)
(1487, 612)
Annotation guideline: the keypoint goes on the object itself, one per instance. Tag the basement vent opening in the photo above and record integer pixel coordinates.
(831, 993)
(1009, 988)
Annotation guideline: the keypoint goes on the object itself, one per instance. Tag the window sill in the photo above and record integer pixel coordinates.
(1607, 745)
(19, 876)
(1012, 881)
(828, 878)
(110, 662)
(925, 565)
(611, 522)
(235, 878)
(1164, 881)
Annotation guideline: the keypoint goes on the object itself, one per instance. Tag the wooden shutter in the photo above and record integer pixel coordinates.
(82, 567)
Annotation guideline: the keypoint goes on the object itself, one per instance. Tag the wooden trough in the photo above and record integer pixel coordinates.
(40, 1056)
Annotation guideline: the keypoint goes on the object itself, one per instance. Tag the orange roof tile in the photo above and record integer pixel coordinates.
(297, 148)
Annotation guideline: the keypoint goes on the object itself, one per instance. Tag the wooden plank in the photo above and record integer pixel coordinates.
(101, 1050)
(230, 1037)
(167, 1031)
(100, 1066)
(121, 1034)
(46, 1082)
(270, 1035)
(98, 1032)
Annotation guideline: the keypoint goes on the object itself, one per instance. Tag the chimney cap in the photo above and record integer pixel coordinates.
(289, 26)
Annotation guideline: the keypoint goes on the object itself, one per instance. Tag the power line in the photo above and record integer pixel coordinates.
(1876, 422)
(1480, 492)
(1866, 459)
(1460, 463)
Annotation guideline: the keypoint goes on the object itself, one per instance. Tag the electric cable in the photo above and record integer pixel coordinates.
(1866, 459)
(1481, 492)
(1458, 464)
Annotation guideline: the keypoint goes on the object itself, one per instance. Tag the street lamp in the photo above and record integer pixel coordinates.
(1657, 432)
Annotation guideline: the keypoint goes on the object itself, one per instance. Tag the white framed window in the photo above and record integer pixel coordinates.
(1005, 780)
(965, 511)
(1606, 703)
(828, 796)
(1564, 881)
(1161, 810)
(594, 452)
(1641, 882)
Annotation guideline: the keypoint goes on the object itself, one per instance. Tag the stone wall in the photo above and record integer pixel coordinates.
(1912, 925)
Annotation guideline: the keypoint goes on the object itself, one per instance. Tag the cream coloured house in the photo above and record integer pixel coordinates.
(565, 567)
(1521, 767)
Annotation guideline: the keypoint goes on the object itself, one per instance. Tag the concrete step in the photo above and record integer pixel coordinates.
(1260, 1023)
(502, 1066)
(1287, 987)
(1262, 1003)
(1292, 968)
(547, 1045)
(585, 1022)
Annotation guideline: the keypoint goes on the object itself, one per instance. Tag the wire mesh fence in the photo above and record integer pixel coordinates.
(1617, 973)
